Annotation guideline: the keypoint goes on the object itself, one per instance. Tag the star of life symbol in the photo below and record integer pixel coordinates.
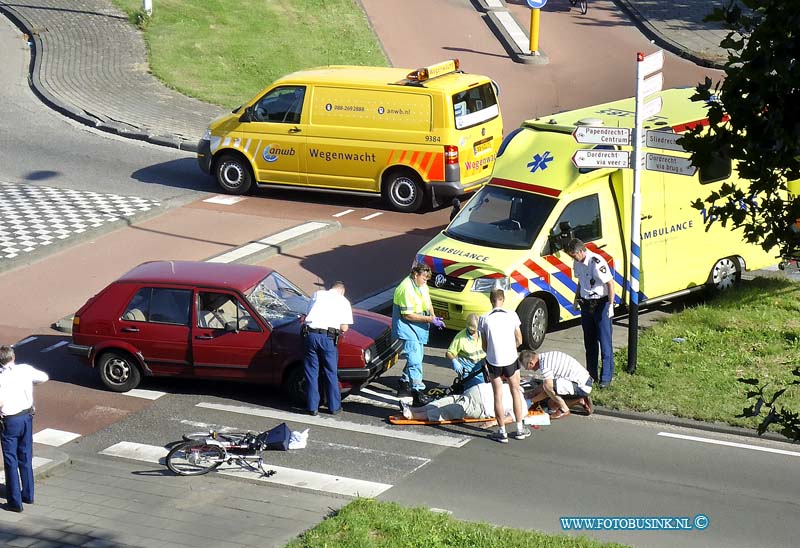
(540, 161)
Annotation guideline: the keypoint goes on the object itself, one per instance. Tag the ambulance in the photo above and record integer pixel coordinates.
(511, 234)
(410, 136)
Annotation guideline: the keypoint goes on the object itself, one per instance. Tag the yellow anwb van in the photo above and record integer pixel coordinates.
(400, 133)
(511, 233)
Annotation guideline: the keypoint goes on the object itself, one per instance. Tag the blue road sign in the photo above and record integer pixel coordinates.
(537, 4)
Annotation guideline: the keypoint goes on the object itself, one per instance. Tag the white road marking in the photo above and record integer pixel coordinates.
(368, 217)
(25, 341)
(53, 437)
(54, 346)
(224, 199)
(730, 444)
(144, 394)
(514, 30)
(329, 422)
(270, 241)
(343, 213)
(283, 476)
(377, 300)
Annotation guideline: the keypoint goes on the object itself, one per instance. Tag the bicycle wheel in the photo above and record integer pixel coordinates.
(584, 6)
(193, 458)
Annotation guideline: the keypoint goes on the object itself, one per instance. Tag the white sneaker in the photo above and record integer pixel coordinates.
(522, 434)
(500, 437)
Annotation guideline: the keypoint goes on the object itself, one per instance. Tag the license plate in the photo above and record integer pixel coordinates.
(482, 146)
(443, 314)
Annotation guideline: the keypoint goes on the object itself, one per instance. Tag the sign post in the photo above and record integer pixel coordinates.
(645, 66)
(536, 6)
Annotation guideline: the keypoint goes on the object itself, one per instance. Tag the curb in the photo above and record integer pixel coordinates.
(57, 459)
(500, 29)
(651, 32)
(86, 118)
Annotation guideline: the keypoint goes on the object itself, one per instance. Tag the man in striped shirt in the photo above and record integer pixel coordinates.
(564, 381)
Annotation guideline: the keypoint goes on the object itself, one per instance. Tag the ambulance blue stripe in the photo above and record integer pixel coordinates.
(562, 300)
(636, 250)
(566, 280)
(438, 266)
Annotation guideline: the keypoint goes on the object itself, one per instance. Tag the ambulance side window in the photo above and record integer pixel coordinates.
(582, 217)
(718, 169)
(281, 105)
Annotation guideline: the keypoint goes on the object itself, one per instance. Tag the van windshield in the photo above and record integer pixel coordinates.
(475, 106)
(501, 217)
(278, 300)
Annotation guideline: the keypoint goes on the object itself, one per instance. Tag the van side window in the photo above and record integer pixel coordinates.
(581, 216)
(282, 105)
(216, 310)
(718, 168)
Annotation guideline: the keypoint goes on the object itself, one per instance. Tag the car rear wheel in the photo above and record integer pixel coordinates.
(532, 313)
(233, 174)
(725, 274)
(119, 372)
(403, 191)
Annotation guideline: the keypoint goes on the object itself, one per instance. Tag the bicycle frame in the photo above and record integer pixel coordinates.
(202, 452)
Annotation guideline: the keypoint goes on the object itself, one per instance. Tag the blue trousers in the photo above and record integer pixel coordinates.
(412, 372)
(320, 350)
(17, 443)
(597, 331)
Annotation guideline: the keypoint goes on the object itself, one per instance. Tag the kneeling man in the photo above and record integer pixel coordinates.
(564, 381)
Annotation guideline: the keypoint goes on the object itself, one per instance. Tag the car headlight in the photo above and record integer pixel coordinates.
(368, 355)
(485, 285)
(206, 135)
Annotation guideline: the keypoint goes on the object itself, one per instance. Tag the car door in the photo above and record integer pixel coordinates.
(278, 130)
(228, 340)
(155, 322)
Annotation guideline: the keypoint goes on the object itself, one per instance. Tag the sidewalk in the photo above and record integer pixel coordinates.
(90, 64)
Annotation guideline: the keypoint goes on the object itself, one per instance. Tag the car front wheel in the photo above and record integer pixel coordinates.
(119, 372)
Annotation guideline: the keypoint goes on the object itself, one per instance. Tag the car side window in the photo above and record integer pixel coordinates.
(139, 306)
(281, 105)
(216, 310)
(170, 306)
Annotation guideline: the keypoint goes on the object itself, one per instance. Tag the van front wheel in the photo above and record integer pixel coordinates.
(532, 313)
(233, 174)
(403, 191)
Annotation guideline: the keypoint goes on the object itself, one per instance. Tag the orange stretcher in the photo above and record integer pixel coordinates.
(400, 419)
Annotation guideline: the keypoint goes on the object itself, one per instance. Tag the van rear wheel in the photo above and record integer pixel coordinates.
(233, 174)
(725, 274)
(532, 313)
(403, 191)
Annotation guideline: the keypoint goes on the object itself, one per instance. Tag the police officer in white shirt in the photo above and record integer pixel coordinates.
(594, 297)
(16, 408)
(329, 316)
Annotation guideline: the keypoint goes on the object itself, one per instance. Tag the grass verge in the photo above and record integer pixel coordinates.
(688, 364)
(224, 52)
(366, 522)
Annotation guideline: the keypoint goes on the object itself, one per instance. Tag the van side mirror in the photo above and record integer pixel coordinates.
(558, 238)
(247, 115)
(456, 208)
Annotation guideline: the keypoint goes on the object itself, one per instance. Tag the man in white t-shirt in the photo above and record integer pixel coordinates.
(329, 316)
(564, 381)
(501, 337)
(475, 403)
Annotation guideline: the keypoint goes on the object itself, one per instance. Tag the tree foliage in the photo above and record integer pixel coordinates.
(769, 411)
(754, 119)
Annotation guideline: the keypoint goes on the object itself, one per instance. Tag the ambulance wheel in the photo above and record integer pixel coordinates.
(533, 315)
(402, 189)
(726, 273)
(233, 174)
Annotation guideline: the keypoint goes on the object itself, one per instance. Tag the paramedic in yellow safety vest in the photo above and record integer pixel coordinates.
(466, 353)
(412, 316)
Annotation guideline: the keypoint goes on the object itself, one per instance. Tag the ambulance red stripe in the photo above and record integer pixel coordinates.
(525, 187)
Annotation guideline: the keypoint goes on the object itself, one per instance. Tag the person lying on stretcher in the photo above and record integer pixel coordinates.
(475, 403)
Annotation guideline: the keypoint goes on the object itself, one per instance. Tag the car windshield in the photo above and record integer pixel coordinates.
(501, 217)
(278, 300)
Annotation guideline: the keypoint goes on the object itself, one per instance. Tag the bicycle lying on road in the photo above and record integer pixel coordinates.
(202, 452)
(583, 5)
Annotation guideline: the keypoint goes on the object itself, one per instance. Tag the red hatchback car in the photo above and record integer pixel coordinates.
(216, 321)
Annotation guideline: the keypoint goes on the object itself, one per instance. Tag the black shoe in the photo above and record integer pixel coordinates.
(336, 412)
(26, 501)
(421, 399)
(11, 508)
(605, 384)
(312, 413)
(403, 389)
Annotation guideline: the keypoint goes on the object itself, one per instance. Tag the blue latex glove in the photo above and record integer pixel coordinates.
(457, 367)
(438, 322)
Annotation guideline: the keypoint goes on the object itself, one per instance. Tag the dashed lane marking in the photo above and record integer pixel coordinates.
(444, 440)
(53, 437)
(302, 479)
(730, 444)
(376, 301)
(368, 217)
(343, 213)
(222, 199)
(25, 341)
(144, 394)
(54, 346)
(270, 241)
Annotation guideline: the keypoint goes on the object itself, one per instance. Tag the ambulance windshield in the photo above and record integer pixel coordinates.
(501, 217)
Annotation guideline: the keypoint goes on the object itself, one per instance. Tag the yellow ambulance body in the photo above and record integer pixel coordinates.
(510, 234)
(399, 133)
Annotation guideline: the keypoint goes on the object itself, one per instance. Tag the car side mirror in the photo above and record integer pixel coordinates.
(456, 208)
(247, 115)
(231, 326)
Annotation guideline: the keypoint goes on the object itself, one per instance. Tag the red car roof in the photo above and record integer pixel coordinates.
(235, 276)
